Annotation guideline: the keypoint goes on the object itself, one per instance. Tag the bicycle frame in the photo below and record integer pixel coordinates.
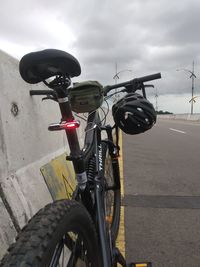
(79, 159)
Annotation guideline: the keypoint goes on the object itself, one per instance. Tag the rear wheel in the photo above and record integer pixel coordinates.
(112, 193)
(61, 234)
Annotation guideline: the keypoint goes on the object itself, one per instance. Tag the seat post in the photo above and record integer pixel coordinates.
(75, 153)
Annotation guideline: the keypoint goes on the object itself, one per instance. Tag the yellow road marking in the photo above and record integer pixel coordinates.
(121, 164)
(121, 235)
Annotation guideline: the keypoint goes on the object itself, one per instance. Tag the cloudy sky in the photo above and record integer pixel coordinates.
(145, 36)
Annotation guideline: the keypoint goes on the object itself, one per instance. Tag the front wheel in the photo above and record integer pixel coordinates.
(61, 234)
(112, 192)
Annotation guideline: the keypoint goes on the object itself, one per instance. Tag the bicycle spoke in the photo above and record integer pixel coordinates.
(57, 253)
(70, 252)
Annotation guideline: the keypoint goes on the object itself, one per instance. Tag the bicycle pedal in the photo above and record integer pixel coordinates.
(140, 264)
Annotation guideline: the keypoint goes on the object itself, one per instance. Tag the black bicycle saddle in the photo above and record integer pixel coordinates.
(38, 66)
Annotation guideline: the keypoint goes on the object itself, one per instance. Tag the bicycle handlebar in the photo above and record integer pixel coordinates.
(135, 81)
(42, 92)
(149, 77)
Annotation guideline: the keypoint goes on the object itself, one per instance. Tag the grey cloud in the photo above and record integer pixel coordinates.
(146, 36)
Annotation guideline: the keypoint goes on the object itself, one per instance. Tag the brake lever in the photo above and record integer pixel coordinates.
(136, 85)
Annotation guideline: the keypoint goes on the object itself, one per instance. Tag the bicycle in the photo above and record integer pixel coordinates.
(81, 231)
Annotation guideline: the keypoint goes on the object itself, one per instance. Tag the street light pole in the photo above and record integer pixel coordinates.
(192, 76)
(116, 76)
(156, 96)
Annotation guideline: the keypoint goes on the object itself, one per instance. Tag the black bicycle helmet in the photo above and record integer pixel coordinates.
(134, 114)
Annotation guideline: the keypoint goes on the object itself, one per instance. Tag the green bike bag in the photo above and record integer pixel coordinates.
(86, 96)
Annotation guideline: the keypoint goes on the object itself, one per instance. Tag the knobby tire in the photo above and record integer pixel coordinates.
(64, 222)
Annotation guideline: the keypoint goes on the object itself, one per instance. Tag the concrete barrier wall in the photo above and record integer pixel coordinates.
(25, 146)
(188, 117)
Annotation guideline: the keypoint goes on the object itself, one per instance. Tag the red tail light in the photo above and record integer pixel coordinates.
(71, 125)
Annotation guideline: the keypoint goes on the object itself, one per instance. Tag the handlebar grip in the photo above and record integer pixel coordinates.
(41, 92)
(150, 77)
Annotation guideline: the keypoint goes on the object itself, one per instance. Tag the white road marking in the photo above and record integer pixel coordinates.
(175, 130)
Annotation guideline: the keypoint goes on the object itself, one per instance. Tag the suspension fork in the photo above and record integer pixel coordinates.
(99, 199)
(113, 148)
(114, 153)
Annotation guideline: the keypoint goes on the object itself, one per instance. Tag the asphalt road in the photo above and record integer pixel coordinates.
(162, 194)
